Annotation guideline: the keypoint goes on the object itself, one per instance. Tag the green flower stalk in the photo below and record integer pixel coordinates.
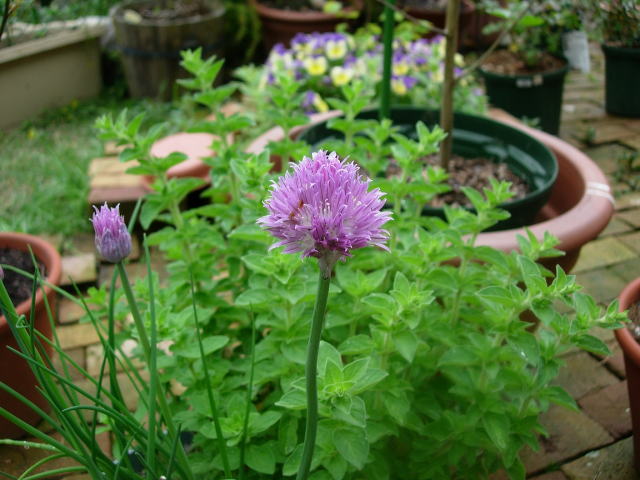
(324, 209)
(113, 243)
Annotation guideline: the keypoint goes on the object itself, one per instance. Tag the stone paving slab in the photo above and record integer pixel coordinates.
(610, 408)
(79, 268)
(632, 240)
(69, 311)
(77, 355)
(628, 270)
(607, 156)
(77, 335)
(607, 131)
(615, 361)
(601, 253)
(570, 434)
(615, 227)
(581, 109)
(603, 284)
(633, 142)
(629, 200)
(582, 374)
(632, 217)
(134, 271)
(614, 462)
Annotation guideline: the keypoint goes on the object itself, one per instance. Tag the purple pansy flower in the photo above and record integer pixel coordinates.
(113, 241)
(324, 210)
(307, 101)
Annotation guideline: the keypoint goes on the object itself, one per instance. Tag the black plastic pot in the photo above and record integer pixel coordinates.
(529, 96)
(622, 78)
(475, 136)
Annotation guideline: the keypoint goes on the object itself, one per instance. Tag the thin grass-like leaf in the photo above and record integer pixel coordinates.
(153, 384)
(212, 402)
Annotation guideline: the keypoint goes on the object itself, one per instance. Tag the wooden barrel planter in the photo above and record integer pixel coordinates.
(150, 48)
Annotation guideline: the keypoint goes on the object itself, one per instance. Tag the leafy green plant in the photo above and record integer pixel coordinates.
(538, 27)
(436, 359)
(618, 22)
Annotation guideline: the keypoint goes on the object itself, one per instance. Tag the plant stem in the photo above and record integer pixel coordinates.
(385, 93)
(207, 381)
(311, 372)
(5, 16)
(446, 110)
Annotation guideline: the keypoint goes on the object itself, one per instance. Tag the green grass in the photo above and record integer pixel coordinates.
(43, 165)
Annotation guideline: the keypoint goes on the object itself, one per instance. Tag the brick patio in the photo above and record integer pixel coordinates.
(593, 443)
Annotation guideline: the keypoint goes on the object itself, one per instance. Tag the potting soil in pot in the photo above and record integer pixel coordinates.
(504, 62)
(634, 321)
(18, 286)
(470, 172)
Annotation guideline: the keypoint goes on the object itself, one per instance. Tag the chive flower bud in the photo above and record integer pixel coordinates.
(324, 210)
(113, 241)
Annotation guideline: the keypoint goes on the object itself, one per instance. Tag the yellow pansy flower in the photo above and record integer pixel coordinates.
(341, 76)
(316, 66)
(336, 49)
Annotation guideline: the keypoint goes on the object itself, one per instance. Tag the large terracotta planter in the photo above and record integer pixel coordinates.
(48, 72)
(280, 26)
(14, 371)
(579, 208)
(438, 18)
(631, 349)
(151, 48)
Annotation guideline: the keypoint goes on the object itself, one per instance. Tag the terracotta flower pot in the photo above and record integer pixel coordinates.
(280, 26)
(629, 296)
(14, 371)
(579, 208)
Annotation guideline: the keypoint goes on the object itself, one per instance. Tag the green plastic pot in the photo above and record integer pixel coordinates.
(622, 78)
(529, 96)
(475, 136)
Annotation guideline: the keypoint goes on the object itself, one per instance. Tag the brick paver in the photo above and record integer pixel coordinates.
(570, 434)
(609, 407)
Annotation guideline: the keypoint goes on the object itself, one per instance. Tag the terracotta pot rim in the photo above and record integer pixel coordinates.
(44, 252)
(629, 295)
(581, 223)
(573, 228)
(292, 16)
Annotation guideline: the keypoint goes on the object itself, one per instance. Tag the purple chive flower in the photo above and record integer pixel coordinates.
(113, 241)
(324, 210)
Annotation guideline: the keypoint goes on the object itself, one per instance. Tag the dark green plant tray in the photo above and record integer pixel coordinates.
(476, 136)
